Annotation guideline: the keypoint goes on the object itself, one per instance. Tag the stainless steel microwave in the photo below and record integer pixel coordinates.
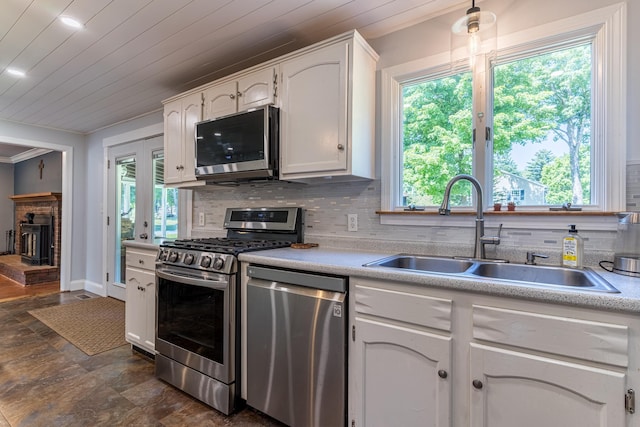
(239, 147)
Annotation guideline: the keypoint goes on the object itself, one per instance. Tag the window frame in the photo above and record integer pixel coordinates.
(607, 29)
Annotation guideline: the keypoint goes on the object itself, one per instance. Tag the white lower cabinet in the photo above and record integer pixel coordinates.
(140, 305)
(403, 375)
(511, 388)
(422, 356)
(400, 360)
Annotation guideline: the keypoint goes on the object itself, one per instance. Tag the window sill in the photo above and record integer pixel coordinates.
(552, 220)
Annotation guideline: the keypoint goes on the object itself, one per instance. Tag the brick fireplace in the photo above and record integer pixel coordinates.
(42, 205)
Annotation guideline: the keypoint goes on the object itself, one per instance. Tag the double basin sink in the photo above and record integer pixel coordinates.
(530, 275)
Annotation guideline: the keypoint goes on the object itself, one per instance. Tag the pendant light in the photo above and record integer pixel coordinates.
(475, 26)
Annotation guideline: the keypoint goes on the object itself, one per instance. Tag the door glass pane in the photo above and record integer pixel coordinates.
(436, 140)
(542, 128)
(125, 209)
(165, 202)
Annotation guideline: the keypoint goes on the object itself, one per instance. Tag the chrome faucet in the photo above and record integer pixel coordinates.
(480, 238)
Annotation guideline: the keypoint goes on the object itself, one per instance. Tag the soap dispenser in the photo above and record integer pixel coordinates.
(572, 249)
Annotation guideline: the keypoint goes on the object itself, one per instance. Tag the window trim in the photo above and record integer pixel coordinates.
(608, 28)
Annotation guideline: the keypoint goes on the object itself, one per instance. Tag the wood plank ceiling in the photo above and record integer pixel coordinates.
(132, 54)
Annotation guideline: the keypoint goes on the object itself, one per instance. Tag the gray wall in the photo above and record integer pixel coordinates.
(73, 148)
(26, 178)
(433, 36)
(94, 198)
(6, 204)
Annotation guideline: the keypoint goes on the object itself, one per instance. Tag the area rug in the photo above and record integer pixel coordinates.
(93, 325)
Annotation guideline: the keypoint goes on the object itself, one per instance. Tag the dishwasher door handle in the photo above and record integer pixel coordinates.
(288, 288)
(299, 278)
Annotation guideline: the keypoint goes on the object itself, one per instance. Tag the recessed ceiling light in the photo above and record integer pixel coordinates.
(16, 72)
(70, 22)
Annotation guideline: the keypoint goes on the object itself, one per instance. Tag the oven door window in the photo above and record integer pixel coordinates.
(193, 318)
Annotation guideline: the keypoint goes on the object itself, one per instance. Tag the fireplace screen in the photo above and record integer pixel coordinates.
(35, 245)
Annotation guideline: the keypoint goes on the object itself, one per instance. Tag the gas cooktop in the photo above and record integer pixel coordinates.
(226, 245)
(248, 229)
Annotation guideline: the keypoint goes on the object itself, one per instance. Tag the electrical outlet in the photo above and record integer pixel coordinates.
(352, 222)
(201, 219)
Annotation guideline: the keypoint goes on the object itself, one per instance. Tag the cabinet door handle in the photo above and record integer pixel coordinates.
(238, 94)
(443, 374)
(477, 384)
(340, 147)
(232, 96)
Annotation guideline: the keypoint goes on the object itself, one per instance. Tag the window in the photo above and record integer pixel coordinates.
(436, 138)
(542, 125)
(516, 196)
(165, 202)
(546, 112)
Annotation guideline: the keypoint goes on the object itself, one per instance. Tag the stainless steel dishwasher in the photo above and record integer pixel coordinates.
(296, 346)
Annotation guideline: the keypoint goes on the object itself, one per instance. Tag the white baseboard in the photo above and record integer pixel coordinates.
(93, 287)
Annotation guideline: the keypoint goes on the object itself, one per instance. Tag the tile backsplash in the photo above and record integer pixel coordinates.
(327, 206)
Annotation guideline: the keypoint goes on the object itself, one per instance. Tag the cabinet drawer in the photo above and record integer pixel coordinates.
(141, 259)
(582, 339)
(404, 307)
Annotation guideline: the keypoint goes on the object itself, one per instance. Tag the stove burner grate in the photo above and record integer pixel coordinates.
(227, 245)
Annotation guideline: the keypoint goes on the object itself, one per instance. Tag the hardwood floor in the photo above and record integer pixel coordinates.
(46, 381)
(10, 290)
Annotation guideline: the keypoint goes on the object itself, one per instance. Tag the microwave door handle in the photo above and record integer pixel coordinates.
(193, 281)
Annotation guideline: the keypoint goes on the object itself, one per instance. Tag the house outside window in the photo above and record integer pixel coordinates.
(539, 113)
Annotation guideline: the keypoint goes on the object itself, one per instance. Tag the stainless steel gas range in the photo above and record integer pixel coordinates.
(198, 306)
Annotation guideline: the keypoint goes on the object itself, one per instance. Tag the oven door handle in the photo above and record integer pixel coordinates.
(193, 281)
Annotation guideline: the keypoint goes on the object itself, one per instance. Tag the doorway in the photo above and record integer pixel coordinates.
(140, 208)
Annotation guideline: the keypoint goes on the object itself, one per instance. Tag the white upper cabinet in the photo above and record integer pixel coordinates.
(220, 100)
(180, 117)
(251, 90)
(328, 111)
(326, 95)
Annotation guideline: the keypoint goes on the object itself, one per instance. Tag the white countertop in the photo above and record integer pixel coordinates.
(349, 263)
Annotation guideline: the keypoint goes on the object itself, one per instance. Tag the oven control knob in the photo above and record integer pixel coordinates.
(188, 259)
(173, 256)
(218, 263)
(162, 256)
(205, 261)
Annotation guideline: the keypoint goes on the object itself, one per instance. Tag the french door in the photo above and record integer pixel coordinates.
(139, 207)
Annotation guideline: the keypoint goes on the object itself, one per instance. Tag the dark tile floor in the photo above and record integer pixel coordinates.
(46, 381)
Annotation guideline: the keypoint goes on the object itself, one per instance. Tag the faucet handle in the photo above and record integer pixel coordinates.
(531, 258)
(493, 240)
